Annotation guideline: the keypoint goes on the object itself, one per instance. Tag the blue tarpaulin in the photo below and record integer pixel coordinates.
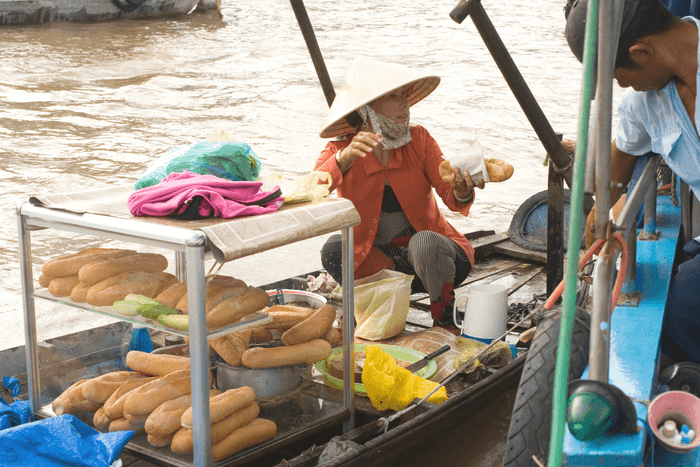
(62, 441)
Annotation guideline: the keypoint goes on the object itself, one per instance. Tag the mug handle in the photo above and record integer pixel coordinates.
(454, 310)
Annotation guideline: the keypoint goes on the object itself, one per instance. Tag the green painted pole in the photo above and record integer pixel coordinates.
(561, 372)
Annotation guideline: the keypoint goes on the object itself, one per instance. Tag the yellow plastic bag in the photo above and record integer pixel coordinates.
(389, 386)
(381, 304)
(497, 357)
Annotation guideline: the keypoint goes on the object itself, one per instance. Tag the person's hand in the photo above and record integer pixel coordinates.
(590, 235)
(462, 184)
(362, 144)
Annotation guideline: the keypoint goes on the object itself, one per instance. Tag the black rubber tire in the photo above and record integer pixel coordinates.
(531, 420)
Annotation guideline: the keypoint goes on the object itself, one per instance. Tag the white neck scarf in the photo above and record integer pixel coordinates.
(394, 135)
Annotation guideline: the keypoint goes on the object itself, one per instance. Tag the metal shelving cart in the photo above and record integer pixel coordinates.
(192, 243)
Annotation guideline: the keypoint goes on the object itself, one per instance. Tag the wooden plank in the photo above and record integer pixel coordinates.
(509, 248)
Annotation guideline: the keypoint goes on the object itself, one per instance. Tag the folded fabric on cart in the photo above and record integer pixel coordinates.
(186, 195)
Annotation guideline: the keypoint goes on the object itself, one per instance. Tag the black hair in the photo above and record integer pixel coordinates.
(651, 18)
(640, 18)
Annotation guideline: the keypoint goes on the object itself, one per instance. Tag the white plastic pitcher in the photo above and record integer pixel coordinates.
(486, 313)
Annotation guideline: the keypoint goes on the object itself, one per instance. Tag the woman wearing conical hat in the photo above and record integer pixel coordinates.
(389, 170)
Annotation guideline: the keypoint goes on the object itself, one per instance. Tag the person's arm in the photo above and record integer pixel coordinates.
(621, 168)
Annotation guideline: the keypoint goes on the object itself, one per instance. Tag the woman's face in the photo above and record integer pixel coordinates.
(393, 105)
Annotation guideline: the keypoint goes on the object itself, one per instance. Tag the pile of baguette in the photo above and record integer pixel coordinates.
(155, 398)
(307, 336)
(101, 276)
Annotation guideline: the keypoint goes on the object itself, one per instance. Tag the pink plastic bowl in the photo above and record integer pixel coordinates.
(681, 407)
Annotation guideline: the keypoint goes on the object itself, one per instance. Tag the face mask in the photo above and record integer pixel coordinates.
(394, 135)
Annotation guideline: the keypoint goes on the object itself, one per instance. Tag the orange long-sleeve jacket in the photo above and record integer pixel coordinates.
(412, 171)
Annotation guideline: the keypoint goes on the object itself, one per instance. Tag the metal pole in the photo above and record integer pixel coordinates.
(517, 83)
(348, 327)
(600, 317)
(307, 31)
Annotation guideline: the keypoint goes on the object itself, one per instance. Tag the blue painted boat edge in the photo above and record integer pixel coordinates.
(634, 348)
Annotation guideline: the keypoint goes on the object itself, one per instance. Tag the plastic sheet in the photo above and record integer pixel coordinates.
(62, 441)
(381, 304)
(391, 387)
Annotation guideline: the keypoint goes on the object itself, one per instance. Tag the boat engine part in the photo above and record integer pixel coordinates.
(683, 376)
(595, 408)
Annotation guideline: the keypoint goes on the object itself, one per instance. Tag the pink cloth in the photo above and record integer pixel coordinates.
(222, 198)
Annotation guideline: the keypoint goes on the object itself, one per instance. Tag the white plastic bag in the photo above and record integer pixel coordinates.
(381, 304)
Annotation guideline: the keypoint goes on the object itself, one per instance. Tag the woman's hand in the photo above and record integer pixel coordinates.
(362, 144)
(462, 184)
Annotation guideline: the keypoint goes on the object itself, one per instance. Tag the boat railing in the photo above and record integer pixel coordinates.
(644, 191)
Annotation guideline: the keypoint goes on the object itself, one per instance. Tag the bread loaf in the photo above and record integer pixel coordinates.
(72, 401)
(285, 317)
(136, 419)
(213, 284)
(160, 442)
(122, 424)
(79, 293)
(155, 364)
(44, 280)
(108, 291)
(100, 388)
(62, 286)
(312, 351)
(172, 295)
(100, 420)
(70, 265)
(182, 442)
(145, 399)
(334, 337)
(260, 335)
(114, 405)
(499, 170)
(256, 432)
(223, 405)
(164, 421)
(233, 309)
(231, 346)
(311, 328)
(93, 273)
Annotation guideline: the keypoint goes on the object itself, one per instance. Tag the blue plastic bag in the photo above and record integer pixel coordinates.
(225, 159)
(14, 414)
(62, 441)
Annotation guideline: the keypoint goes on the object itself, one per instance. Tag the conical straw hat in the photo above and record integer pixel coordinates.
(366, 81)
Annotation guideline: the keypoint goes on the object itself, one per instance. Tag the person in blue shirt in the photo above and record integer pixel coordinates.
(657, 59)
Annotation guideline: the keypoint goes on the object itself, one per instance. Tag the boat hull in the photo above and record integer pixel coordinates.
(28, 12)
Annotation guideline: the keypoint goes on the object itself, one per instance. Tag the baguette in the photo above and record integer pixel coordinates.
(256, 432)
(231, 347)
(62, 286)
(213, 284)
(260, 335)
(122, 424)
(499, 170)
(136, 419)
(172, 295)
(311, 328)
(220, 292)
(155, 364)
(182, 442)
(100, 388)
(145, 399)
(334, 337)
(160, 442)
(44, 280)
(311, 351)
(79, 293)
(114, 406)
(164, 421)
(100, 420)
(223, 405)
(117, 287)
(72, 401)
(233, 309)
(91, 274)
(285, 317)
(70, 265)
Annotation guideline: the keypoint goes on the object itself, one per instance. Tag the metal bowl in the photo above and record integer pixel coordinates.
(296, 297)
(265, 382)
